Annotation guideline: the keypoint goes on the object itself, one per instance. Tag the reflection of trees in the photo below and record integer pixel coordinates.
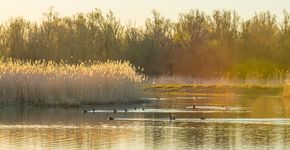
(266, 107)
(59, 138)
(146, 135)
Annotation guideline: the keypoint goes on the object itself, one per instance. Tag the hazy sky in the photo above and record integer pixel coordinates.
(136, 10)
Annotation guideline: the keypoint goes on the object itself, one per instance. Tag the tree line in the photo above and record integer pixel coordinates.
(197, 44)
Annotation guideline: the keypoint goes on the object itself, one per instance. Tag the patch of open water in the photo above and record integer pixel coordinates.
(213, 123)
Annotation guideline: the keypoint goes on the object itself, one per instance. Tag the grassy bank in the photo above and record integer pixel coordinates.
(49, 83)
(222, 85)
(188, 89)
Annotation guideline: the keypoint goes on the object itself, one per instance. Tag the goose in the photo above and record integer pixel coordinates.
(111, 118)
(226, 107)
(171, 117)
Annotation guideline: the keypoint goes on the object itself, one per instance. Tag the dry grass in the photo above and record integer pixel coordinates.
(275, 81)
(49, 83)
(252, 85)
(287, 89)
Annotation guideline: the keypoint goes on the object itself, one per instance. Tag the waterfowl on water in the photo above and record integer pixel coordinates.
(111, 118)
(191, 107)
(226, 107)
(84, 111)
(115, 111)
(171, 117)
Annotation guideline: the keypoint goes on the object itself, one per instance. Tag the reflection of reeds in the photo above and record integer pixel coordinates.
(49, 83)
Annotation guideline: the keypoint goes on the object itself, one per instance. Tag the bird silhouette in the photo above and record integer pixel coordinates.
(111, 118)
(171, 117)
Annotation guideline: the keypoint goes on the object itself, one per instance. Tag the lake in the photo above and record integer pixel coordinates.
(202, 122)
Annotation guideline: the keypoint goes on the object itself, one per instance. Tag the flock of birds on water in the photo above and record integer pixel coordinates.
(171, 117)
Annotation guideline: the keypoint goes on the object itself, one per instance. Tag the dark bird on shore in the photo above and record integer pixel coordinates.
(115, 111)
(126, 110)
(143, 108)
(202, 118)
(171, 117)
(93, 110)
(111, 118)
(135, 108)
(84, 111)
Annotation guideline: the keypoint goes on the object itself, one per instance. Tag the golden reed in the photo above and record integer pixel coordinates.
(50, 83)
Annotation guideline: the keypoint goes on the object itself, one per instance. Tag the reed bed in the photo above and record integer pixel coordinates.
(50, 83)
(279, 84)
(278, 80)
(287, 89)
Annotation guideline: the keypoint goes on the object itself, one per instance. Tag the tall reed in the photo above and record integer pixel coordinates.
(287, 88)
(50, 83)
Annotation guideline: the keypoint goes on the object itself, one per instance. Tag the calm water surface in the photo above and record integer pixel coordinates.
(232, 122)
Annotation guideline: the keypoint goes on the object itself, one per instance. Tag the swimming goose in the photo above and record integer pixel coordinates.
(111, 118)
(171, 117)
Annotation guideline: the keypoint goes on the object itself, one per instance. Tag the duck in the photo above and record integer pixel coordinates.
(171, 117)
(84, 111)
(115, 111)
(135, 108)
(143, 108)
(111, 118)
(226, 107)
